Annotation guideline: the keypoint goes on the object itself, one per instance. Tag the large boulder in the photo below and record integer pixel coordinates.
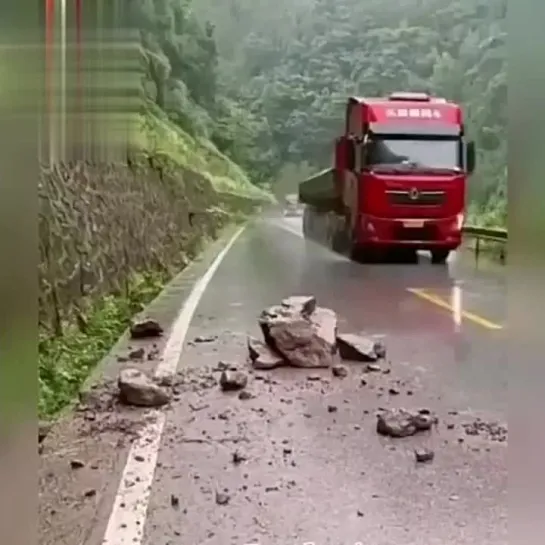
(137, 388)
(302, 333)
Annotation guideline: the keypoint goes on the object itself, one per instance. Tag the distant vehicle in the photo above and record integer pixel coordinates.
(292, 208)
(398, 182)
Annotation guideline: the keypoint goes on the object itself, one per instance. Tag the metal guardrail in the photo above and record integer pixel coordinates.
(487, 234)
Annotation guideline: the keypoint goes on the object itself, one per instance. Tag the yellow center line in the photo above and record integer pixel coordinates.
(434, 299)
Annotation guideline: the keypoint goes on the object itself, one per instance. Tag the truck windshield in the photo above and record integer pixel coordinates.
(418, 153)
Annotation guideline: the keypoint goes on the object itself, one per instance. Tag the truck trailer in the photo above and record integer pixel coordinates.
(398, 183)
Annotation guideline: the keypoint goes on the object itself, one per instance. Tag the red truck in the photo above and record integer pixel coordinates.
(399, 180)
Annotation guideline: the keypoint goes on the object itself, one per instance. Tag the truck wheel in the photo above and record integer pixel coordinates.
(359, 254)
(439, 257)
(339, 242)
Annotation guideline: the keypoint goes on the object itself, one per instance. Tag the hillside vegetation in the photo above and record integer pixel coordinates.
(295, 63)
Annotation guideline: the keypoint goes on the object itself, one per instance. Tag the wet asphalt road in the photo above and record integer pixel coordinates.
(323, 476)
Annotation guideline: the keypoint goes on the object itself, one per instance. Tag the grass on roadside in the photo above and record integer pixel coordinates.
(66, 362)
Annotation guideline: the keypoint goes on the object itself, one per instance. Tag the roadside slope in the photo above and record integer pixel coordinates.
(111, 235)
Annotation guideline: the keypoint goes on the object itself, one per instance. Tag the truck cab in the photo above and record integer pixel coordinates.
(400, 173)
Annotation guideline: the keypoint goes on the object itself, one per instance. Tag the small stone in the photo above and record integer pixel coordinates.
(91, 493)
(43, 429)
(77, 464)
(174, 501)
(358, 348)
(238, 458)
(331, 409)
(339, 371)
(393, 391)
(373, 368)
(360, 513)
(222, 498)
(138, 389)
(245, 395)
(137, 354)
(424, 455)
(233, 380)
(403, 423)
(143, 328)
(205, 339)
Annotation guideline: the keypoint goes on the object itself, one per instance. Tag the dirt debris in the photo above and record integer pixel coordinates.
(491, 430)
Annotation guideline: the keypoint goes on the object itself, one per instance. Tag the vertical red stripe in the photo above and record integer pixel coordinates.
(49, 37)
(79, 93)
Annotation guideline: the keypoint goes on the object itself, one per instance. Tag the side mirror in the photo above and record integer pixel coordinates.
(470, 157)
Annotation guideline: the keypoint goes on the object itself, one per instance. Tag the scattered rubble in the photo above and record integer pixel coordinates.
(138, 389)
(300, 332)
(403, 423)
(233, 380)
(144, 328)
(492, 430)
(358, 348)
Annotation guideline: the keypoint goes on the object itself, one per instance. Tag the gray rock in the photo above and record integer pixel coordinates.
(303, 304)
(143, 328)
(339, 371)
(302, 339)
(261, 356)
(359, 348)
(233, 380)
(423, 455)
(403, 423)
(138, 389)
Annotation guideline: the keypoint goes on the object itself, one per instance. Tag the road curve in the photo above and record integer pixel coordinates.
(311, 473)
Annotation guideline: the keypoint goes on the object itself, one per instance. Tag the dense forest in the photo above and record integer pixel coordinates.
(266, 80)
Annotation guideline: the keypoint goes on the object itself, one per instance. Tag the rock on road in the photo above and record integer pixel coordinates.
(297, 459)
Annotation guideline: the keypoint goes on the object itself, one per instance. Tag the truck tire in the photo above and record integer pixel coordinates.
(439, 257)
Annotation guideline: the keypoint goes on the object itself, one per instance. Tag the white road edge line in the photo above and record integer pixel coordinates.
(128, 516)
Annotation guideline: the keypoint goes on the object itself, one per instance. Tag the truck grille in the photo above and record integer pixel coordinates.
(422, 198)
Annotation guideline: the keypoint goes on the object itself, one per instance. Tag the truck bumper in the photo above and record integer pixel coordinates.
(423, 234)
